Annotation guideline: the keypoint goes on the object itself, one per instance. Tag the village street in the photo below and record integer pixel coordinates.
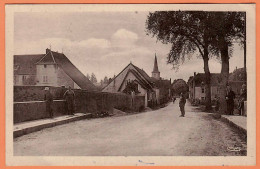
(156, 133)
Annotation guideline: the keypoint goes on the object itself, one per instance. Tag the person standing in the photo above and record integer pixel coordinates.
(217, 103)
(48, 100)
(243, 97)
(69, 96)
(230, 96)
(182, 104)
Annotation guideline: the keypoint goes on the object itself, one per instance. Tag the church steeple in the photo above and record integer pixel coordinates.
(155, 72)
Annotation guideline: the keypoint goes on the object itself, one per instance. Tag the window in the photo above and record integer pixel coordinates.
(202, 90)
(45, 79)
(24, 78)
(45, 66)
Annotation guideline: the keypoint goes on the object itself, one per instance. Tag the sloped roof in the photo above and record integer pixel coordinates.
(200, 77)
(47, 59)
(140, 79)
(140, 71)
(144, 74)
(72, 71)
(25, 64)
(162, 83)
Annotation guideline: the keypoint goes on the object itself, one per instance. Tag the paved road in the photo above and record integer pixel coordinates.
(157, 133)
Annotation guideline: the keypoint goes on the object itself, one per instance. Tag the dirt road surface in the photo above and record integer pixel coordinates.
(156, 133)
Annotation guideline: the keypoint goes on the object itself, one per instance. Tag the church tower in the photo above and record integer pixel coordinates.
(155, 72)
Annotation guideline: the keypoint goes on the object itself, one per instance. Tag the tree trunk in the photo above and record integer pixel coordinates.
(207, 83)
(224, 77)
(207, 72)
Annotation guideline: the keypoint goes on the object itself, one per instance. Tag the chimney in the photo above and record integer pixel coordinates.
(47, 50)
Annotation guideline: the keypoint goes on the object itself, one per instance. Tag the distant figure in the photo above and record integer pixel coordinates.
(132, 97)
(242, 98)
(69, 96)
(230, 96)
(49, 100)
(173, 99)
(182, 104)
(217, 103)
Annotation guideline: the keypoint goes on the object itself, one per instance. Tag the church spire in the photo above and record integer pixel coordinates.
(155, 72)
(155, 66)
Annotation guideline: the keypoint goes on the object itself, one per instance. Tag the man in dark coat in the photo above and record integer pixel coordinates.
(242, 98)
(69, 96)
(182, 104)
(49, 100)
(230, 96)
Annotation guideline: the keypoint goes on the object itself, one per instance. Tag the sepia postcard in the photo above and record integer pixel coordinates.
(130, 85)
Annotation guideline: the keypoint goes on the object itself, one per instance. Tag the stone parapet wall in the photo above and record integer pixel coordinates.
(29, 104)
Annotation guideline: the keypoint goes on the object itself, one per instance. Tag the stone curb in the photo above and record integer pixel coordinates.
(24, 131)
(241, 129)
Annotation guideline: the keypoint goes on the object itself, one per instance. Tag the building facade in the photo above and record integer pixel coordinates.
(196, 85)
(50, 69)
(155, 89)
(131, 74)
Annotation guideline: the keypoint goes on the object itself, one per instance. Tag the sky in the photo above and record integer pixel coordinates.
(104, 43)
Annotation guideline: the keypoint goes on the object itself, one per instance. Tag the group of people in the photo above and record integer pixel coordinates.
(69, 96)
(230, 100)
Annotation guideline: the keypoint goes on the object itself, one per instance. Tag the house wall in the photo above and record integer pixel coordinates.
(157, 95)
(50, 71)
(20, 80)
(215, 90)
(143, 92)
(56, 77)
(201, 96)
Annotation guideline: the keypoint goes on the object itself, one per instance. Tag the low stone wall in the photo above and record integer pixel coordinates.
(33, 110)
(85, 102)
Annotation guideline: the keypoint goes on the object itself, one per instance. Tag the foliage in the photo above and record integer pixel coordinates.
(88, 76)
(183, 29)
(192, 32)
(179, 86)
(228, 28)
(93, 78)
(238, 75)
(105, 80)
(131, 86)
